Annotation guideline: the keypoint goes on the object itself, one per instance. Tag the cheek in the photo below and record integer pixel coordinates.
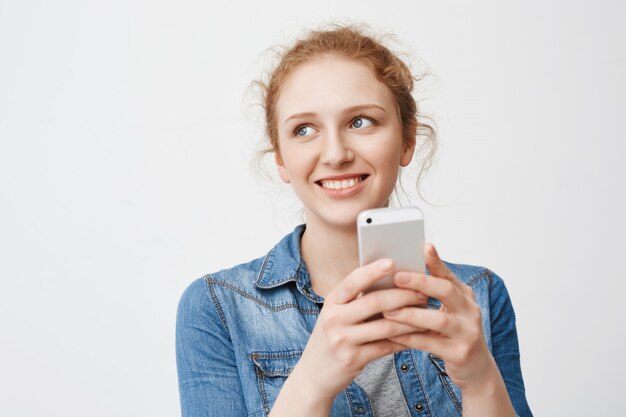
(386, 160)
(387, 155)
(299, 164)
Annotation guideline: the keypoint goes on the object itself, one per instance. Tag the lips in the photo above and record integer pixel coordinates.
(342, 186)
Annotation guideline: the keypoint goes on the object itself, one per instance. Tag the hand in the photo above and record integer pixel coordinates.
(455, 331)
(342, 343)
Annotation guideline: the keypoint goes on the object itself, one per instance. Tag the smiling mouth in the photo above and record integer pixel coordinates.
(341, 184)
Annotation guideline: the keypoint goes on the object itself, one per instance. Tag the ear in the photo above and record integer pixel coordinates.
(407, 153)
(282, 170)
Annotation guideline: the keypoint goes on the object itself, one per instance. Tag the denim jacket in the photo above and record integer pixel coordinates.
(240, 332)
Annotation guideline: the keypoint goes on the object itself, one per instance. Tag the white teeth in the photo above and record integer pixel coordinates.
(339, 185)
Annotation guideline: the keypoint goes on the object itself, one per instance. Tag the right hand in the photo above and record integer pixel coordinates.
(342, 342)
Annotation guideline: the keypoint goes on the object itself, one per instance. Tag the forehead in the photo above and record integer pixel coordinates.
(328, 84)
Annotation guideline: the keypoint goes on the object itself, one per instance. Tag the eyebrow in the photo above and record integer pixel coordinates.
(348, 110)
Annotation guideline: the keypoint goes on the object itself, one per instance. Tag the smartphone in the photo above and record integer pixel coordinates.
(392, 232)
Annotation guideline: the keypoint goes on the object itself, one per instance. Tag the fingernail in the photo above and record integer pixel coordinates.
(384, 264)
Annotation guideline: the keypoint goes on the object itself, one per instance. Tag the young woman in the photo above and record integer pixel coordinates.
(254, 340)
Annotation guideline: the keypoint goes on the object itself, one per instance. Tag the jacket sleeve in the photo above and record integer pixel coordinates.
(208, 379)
(505, 345)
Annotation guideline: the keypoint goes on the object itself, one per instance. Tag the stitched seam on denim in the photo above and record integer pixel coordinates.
(478, 277)
(297, 275)
(419, 380)
(433, 360)
(400, 383)
(261, 303)
(218, 306)
(451, 394)
(274, 283)
(278, 355)
(443, 376)
(347, 391)
(268, 263)
(216, 302)
(261, 384)
(263, 266)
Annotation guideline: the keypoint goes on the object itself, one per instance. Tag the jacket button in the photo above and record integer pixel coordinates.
(306, 290)
(360, 409)
(404, 367)
(419, 407)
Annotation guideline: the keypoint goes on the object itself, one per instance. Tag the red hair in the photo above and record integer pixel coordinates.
(351, 42)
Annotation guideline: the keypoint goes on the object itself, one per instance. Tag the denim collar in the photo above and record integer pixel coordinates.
(284, 264)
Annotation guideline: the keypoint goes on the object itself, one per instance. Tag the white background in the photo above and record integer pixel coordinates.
(126, 131)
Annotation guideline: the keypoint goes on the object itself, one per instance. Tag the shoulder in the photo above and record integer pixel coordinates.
(199, 306)
(471, 274)
(241, 276)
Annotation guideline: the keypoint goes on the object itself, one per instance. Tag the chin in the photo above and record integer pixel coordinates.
(344, 217)
(341, 214)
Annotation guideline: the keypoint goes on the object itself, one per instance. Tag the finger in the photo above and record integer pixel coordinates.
(435, 320)
(436, 266)
(442, 289)
(379, 301)
(378, 330)
(427, 342)
(374, 350)
(359, 279)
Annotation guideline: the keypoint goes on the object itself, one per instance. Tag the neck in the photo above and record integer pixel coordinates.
(330, 253)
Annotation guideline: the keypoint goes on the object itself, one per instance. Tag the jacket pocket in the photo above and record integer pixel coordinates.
(453, 391)
(272, 370)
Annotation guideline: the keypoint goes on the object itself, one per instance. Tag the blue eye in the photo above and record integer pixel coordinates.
(360, 120)
(302, 130)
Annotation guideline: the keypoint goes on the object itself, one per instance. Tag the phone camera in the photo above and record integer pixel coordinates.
(369, 220)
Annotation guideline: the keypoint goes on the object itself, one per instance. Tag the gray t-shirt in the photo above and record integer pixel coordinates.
(380, 382)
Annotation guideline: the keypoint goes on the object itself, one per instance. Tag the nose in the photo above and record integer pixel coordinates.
(336, 152)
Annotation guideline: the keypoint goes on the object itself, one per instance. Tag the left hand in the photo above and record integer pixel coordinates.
(454, 332)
